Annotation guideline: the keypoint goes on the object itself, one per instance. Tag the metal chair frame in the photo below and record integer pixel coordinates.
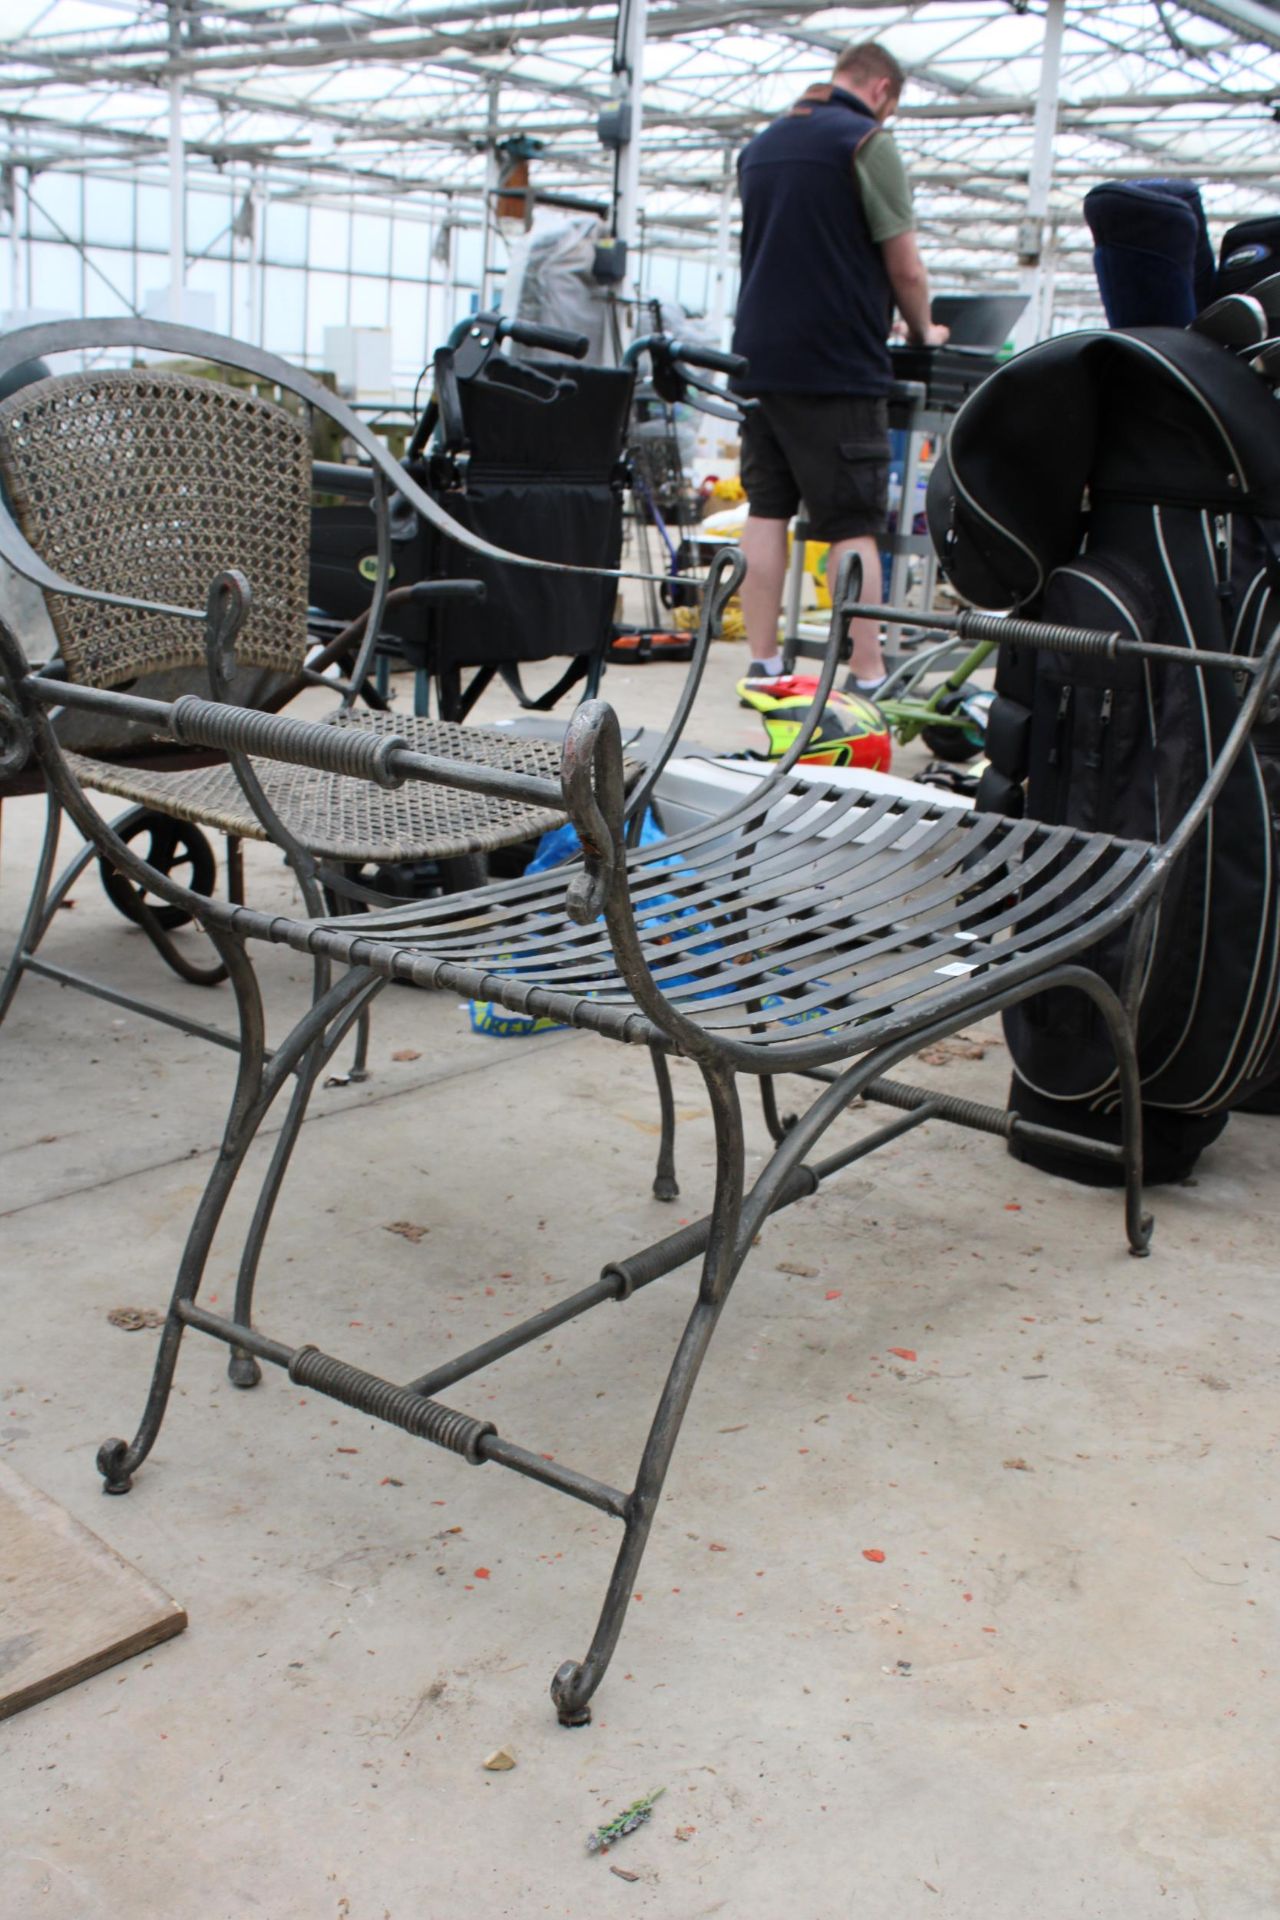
(805, 931)
(324, 885)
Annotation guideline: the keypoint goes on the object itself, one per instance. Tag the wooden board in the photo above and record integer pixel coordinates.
(69, 1605)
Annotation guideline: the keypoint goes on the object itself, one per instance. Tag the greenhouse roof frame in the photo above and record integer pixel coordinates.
(389, 101)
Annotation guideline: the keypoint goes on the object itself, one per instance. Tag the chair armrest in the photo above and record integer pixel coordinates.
(724, 577)
(594, 793)
(723, 580)
(386, 759)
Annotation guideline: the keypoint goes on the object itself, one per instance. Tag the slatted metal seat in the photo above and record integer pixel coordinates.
(904, 905)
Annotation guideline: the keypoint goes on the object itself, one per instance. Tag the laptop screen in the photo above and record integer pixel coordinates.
(979, 319)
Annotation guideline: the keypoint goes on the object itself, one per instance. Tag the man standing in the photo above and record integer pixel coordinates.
(828, 249)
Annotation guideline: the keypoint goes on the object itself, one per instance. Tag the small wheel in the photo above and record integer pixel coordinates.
(174, 848)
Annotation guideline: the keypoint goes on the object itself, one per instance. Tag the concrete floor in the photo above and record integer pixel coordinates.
(1052, 1696)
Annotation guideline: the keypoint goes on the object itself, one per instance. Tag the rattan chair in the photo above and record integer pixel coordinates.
(813, 929)
(132, 488)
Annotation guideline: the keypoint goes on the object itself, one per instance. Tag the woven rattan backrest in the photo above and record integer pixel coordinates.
(149, 484)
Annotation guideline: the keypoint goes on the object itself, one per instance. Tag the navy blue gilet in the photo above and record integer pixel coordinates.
(815, 303)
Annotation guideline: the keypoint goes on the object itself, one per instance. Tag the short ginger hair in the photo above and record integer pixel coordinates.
(868, 60)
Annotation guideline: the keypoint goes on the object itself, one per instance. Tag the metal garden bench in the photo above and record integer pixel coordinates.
(812, 930)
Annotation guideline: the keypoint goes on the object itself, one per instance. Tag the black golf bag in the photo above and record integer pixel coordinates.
(1249, 252)
(1098, 480)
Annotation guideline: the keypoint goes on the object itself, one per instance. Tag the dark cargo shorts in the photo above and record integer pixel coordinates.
(830, 450)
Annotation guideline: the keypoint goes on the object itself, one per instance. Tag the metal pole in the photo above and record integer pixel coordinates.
(720, 273)
(177, 177)
(28, 278)
(253, 328)
(490, 209)
(631, 61)
(1031, 233)
(1048, 280)
(13, 204)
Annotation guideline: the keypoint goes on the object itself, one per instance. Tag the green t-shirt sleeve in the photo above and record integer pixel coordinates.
(885, 189)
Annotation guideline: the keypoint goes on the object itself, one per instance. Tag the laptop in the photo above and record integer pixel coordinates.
(979, 319)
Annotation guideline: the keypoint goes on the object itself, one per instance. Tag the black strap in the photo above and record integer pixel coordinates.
(578, 668)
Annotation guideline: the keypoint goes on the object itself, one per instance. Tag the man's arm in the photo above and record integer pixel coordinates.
(910, 283)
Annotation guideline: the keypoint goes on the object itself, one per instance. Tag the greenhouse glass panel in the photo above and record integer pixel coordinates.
(153, 216)
(370, 243)
(108, 281)
(214, 276)
(108, 212)
(410, 248)
(55, 278)
(209, 223)
(285, 237)
(284, 310)
(326, 307)
(55, 207)
(330, 238)
(410, 348)
(368, 301)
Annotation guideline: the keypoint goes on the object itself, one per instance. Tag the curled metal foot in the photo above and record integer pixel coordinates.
(243, 1370)
(665, 1187)
(566, 1690)
(116, 1478)
(1140, 1245)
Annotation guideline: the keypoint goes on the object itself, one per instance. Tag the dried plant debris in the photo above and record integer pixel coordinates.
(962, 1047)
(134, 1319)
(625, 1822)
(408, 1229)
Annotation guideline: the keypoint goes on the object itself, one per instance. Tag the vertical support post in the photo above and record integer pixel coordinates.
(720, 271)
(1048, 279)
(629, 58)
(253, 273)
(177, 172)
(12, 204)
(489, 210)
(28, 275)
(1031, 234)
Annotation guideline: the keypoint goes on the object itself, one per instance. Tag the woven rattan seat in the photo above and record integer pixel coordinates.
(134, 489)
(337, 818)
(902, 902)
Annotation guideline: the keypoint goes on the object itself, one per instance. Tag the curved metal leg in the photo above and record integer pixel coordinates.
(173, 956)
(779, 1125)
(577, 1680)
(36, 918)
(242, 1369)
(360, 1059)
(1138, 1224)
(336, 904)
(665, 1186)
(255, 1091)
